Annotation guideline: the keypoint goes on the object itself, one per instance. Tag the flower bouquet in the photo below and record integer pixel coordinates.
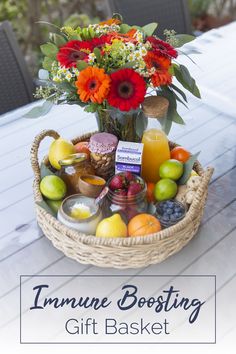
(104, 198)
(120, 72)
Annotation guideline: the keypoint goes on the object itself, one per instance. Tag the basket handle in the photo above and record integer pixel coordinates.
(35, 147)
(202, 188)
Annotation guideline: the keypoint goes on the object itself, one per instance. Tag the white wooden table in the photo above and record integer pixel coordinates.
(211, 128)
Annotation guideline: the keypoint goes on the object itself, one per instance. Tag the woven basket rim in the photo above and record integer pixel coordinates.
(77, 237)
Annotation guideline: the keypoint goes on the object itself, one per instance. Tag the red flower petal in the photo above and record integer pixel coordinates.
(73, 51)
(127, 90)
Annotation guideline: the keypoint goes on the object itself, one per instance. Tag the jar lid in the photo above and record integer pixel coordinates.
(73, 159)
(103, 143)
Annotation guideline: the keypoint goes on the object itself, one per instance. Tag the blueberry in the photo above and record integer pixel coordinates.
(176, 215)
(172, 217)
(177, 208)
(170, 204)
(165, 217)
(169, 211)
(179, 215)
(165, 206)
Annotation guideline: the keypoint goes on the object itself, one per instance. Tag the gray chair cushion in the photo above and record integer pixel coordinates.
(16, 85)
(170, 14)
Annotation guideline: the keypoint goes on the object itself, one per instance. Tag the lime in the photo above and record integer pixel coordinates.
(165, 189)
(54, 204)
(53, 187)
(172, 169)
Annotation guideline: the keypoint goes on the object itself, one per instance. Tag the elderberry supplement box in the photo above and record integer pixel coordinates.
(129, 157)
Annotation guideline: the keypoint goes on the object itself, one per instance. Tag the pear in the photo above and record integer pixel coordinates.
(113, 226)
(60, 149)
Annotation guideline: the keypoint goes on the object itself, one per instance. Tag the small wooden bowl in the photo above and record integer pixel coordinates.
(89, 189)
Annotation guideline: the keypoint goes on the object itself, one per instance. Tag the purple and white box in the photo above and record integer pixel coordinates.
(129, 157)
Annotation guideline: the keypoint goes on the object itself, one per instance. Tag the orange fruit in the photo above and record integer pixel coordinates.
(143, 224)
(150, 192)
(82, 147)
(179, 153)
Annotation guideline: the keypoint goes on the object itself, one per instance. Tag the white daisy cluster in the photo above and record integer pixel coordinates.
(104, 29)
(61, 73)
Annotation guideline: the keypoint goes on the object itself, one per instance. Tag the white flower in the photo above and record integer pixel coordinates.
(142, 51)
(139, 36)
(69, 76)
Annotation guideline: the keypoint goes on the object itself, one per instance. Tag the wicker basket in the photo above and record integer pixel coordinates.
(118, 252)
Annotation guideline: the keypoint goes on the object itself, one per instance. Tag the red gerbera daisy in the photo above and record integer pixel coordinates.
(127, 90)
(161, 47)
(99, 42)
(73, 51)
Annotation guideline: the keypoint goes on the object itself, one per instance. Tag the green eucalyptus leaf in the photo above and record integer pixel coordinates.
(188, 166)
(66, 87)
(58, 39)
(50, 50)
(45, 171)
(183, 76)
(39, 111)
(47, 63)
(97, 53)
(130, 64)
(91, 108)
(150, 28)
(180, 100)
(141, 124)
(44, 205)
(177, 118)
(166, 124)
(81, 65)
(124, 28)
(176, 88)
(183, 39)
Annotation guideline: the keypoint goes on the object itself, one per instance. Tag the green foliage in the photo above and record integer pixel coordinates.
(172, 114)
(44, 205)
(183, 39)
(183, 76)
(91, 108)
(97, 53)
(47, 63)
(45, 171)
(150, 28)
(57, 39)
(124, 28)
(81, 65)
(50, 50)
(188, 166)
(39, 111)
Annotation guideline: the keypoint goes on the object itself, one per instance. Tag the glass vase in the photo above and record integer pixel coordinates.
(127, 126)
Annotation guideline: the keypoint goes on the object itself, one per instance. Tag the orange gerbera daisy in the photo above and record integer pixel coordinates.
(125, 37)
(110, 22)
(93, 84)
(161, 64)
(161, 78)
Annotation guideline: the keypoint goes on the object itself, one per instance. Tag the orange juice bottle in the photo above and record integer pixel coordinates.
(156, 151)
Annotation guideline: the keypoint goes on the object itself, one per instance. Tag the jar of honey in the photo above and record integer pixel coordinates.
(72, 167)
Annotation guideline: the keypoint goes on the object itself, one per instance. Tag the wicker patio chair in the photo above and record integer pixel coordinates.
(170, 14)
(16, 84)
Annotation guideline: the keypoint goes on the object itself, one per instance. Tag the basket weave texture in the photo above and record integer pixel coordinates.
(135, 252)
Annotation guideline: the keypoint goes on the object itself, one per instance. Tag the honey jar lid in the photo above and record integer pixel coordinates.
(73, 159)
